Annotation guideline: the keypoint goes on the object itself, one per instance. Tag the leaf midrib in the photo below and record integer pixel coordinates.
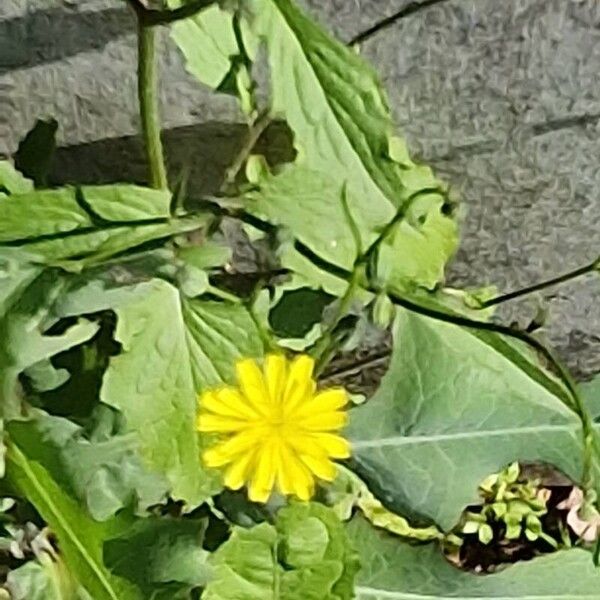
(404, 440)
(21, 461)
(356, 152)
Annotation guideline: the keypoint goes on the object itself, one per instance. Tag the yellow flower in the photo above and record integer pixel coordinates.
(277, 428)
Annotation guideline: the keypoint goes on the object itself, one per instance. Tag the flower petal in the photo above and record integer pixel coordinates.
(252, 384)
(300, 385)
(264, 474)
(302, 443)
(239, 471)
(326, 401)
(275, 376)
(324, 422)
(227, 451)
(321, 467)
(216, 424)
(284, 481)
(225, 402)
(301, 478)
(334, 445)
(233, 399)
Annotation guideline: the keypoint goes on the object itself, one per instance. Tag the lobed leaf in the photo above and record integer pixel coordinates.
(23, 329)
(208, 43)
(91, 221)
(346, 136)
(348, 492)
(80, 537)
(45, 579)
(155, 380)
(395, 570)
(306, 556)
(172, 551)
(450, 411)
(103, 472)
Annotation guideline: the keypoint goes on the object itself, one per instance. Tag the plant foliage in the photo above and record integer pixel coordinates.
(120, 304)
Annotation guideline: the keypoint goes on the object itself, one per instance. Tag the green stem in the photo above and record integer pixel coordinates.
(222, 294)
(325, 347)
(542, 285)
(255, 130)
(149, 111)
(267, 340)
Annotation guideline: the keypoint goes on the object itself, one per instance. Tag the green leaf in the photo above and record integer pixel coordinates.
(17, 271)
(394, 570)
(420, 245)
(11, 181)
(450, 411)
(212, 51)
(206, 256)
(80, 538)
(155, 380)
(303, 200)
(347, 137)
(56, 225)
(172, 554)
(103, 472)
(348, 491)
(307, 556)
(25, 343)
(245, 566)
(208, 43)
(46, 579)
(44, 377)
(590, 390)
(314, 543)
(36, 151)
(485, 533)
(52, 212)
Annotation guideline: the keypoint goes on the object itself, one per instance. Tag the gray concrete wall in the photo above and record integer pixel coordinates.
(501, 96)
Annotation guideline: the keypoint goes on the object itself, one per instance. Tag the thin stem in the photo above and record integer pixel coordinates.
(267, 340)
(542, 285)
(375, 360)
(326, 345)
(222, 294)
(255, 130)
(391, 225)
(149, 110)
(409, 9)
(352, 224)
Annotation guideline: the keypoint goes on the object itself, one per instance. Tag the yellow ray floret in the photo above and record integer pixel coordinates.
(277, 430)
